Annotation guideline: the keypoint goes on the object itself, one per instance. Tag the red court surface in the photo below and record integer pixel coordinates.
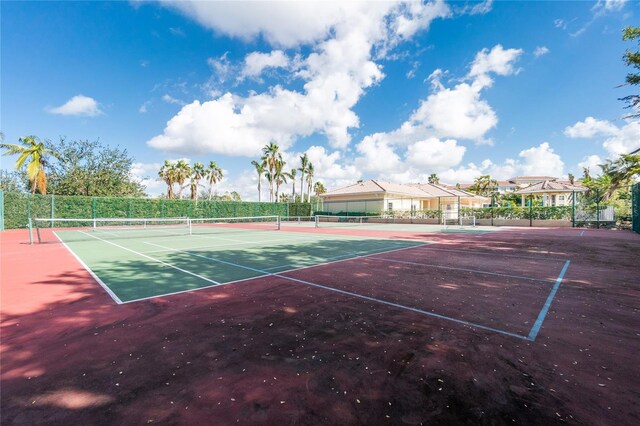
(274, 350)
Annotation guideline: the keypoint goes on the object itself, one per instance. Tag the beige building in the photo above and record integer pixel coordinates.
(554, 193)
(374, 196)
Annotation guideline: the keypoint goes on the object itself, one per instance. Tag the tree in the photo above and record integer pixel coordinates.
(214, 175)
(319, 189)
(271, 155)
(12, 181)
(572, 178)
(182, 173)
(292, 175)
(37, 153)
(93, 169)
(309, 181)
(280, 175)
(304, 165)
(484, 185)
(167, 174)
(197, 173)
(632, 59)
(260, 169)
(434, 179)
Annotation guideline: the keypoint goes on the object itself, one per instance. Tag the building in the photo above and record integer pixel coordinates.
(375, 196)
(554, 193)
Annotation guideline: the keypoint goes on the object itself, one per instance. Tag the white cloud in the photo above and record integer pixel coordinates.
(458, 112)
(608, 6)
(541, 160)
(434, 154)
(498, 60)
(79, 105)
(560, 23)
(171, 100)
(482, 8)
(147, 174)
(625, 140)
(540, 51)
(589, 128)
(336, 73)
(618, 140)
(591, 162)
(144, 107)
(256, 62)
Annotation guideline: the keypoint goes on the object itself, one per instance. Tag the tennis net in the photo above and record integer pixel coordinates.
(234, 224)
(106, 228)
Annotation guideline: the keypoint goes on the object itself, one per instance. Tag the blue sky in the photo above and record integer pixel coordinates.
(386, 90)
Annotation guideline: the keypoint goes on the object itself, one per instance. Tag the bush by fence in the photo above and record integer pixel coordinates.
(19, 207)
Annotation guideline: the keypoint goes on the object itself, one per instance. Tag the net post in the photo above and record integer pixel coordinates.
(317, 220)
(279, 220)
(95, 224)
(190, 226)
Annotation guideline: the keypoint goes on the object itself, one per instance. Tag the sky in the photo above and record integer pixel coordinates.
(368, 90)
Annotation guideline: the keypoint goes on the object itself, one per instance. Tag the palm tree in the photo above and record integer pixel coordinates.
(271, 156)
(197, 174)
(280, 176)
(304, 164)
(434, 179)
(319, 188)
(309, 181)
(167, 174)
(36, 152)
(260, 169)
(182, 173)
(484, 186)
(292, 175)
(214, 175)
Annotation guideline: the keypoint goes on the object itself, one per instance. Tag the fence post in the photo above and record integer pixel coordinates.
(491, 207)
(597, 209)
(530, 210)
(459, 217)
(53, 204)
(28, 208)
(93, 208)
(1, 210)
(573, 209)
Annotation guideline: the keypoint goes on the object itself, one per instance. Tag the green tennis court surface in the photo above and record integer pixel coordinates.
(137, 264)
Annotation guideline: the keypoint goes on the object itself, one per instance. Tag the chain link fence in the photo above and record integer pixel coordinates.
(17, 208)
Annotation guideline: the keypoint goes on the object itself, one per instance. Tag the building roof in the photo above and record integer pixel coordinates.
(417, 190)
(538, 178)
(550, 186)
(375, 187)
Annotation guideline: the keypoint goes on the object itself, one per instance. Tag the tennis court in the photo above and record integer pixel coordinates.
(259, 320)
(134, 260)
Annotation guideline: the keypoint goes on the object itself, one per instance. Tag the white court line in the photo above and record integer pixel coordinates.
(153, 259)
(93, 274)
(495, 254)
(352, 254)
(314, 238)
(263, 272)
(356, 295)
(476, 271)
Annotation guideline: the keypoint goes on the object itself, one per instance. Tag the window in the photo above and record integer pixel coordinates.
(560, 197)
(390, 207)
